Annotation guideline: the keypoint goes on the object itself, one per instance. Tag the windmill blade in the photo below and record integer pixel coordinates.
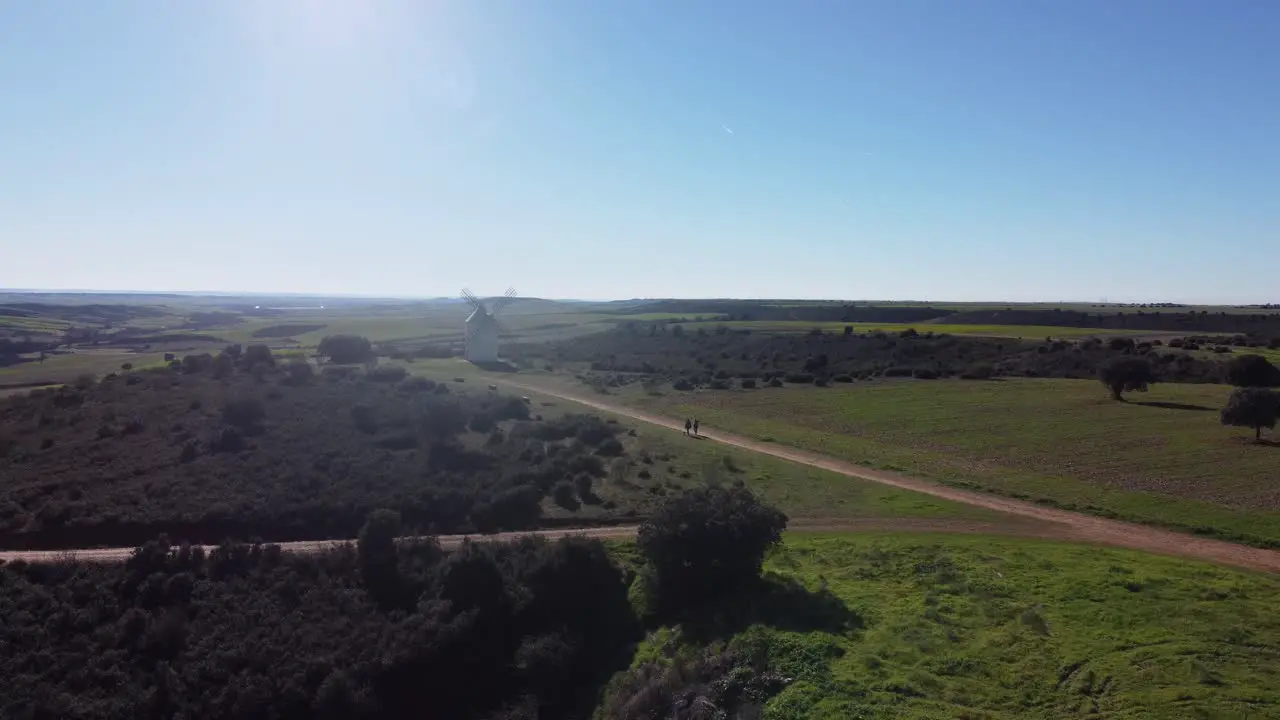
(471, 298)
(505, 300)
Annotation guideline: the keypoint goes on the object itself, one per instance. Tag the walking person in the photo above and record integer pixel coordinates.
(695, 426)
(687, 424)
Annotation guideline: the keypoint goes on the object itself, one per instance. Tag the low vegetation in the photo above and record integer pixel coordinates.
(237, 445)
(720, 358)
(907, 626)
(524, 630)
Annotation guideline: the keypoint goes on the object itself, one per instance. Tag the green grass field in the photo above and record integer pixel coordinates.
(445, 324)
(988, 627)
(1032, 332)
(803, 492)
(1162, 459)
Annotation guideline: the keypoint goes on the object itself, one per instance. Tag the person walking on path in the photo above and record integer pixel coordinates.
(687, 424)
(695, 426)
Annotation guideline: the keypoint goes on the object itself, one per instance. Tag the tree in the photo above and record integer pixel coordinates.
(376, 547)
(1252, 371)
(707, 544)
(1125, 374)
(1252, 407)
(345, 349)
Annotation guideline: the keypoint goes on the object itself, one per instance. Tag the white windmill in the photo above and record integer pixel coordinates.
(483, 328)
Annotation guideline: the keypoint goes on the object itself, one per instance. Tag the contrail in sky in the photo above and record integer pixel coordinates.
(726, 129)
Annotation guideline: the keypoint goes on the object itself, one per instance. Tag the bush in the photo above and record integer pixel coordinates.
(1252, 407)
(387, 374)
(1125, 374)
(611, 447)
(897, 371)
(682, 383)
(842, 378)
(564, 496)
(748, 383)
(245, 413)
(418, 384)
(775, 382)
(924, 374)
(706, 545)
(720, 385)
(978, 371)
(799, 378)
(299, 372)
(258, 354)
(345, 349)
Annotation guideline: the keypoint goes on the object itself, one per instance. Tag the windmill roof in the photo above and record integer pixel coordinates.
(479, 315)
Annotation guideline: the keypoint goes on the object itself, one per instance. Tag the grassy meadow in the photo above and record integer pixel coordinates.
(1162, 458)
(994, 628)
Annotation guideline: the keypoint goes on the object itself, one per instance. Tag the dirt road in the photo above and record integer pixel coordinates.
(1028, 519)
(307, 546)
(1055, 523)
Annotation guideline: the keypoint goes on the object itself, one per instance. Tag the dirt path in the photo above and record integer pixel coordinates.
(1056, 524)
(812, 525)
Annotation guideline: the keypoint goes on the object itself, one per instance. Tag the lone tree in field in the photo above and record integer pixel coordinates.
(707, 544)
(345, 349)
(1252, 371)
(1125, 374)
(1252, 407)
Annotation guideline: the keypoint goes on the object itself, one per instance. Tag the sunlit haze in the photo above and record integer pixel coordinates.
(904, 149)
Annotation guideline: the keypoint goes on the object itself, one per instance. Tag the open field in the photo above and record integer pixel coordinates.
(1162, 459)
(1034, 332)
(804, 492)
(63, 368)
(986, 627)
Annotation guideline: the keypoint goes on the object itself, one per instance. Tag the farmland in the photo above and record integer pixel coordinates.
(985, 627)
(1162, 458)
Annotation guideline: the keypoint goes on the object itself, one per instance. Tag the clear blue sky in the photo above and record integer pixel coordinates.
(905, 149)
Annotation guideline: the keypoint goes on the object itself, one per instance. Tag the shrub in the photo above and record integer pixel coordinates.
(418, 384)
(610, 448)
(924, 374)
(258, 354)
(345, 349)
(126, 366)
(582, 483)
(799, 378)
(245, 413)
(1125, 374)
(682, 383)
(897, 371)
(720, 385)
(842, 378)
(85, 381)
(978, 371)
(1252, 371)
(564, 496)
(707, 544)
(387, 374)
(1252, 407)
(748, 383)
(299, 372)
(775, 382)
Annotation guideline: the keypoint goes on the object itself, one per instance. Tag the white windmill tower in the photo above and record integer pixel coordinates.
(483, 328)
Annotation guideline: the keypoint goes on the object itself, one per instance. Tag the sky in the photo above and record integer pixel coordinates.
(901, 149)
